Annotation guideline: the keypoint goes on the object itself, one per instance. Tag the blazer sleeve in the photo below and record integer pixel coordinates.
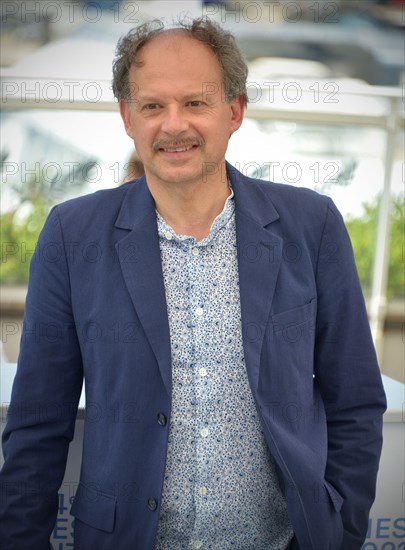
(46, 391)
(349, 379)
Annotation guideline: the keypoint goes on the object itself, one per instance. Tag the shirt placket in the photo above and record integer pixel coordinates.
(198, 272)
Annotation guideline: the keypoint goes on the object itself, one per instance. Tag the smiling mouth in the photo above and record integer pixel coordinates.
(177, 149)
(177, 145)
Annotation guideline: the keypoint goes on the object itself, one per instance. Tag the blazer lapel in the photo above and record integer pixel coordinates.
(259, 259)
(139, 257)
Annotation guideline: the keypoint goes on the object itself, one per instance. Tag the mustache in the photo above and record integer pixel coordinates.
(180, 142)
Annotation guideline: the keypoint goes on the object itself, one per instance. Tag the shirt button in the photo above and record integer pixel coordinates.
(161, 418)
(168, 236)
(195, 252)
(202, 371)
(202, 491)
(204, 432)
(152, 504)
(197, 544)
(199, 311)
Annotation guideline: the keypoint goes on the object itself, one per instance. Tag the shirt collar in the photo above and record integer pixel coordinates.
(166, 232)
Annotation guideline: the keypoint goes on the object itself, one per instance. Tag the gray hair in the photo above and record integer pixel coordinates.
(220, 41)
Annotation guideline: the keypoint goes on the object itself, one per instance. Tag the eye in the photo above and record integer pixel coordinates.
(151, 106)
(195, 103)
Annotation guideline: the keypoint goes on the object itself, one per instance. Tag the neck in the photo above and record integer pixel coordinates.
(190, 207)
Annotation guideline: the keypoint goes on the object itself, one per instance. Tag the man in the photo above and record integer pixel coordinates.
(220, 327)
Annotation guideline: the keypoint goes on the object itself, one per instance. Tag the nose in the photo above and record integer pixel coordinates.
(175, 121)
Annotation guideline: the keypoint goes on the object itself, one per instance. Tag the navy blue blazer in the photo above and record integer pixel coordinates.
(96, 308)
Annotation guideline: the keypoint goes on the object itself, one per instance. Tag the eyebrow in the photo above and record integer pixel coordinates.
(154, 99)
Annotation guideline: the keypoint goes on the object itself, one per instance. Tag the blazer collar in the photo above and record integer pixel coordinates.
(251, 199)
(138, 203)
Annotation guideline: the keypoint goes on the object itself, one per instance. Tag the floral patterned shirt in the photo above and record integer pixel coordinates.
(221, 489)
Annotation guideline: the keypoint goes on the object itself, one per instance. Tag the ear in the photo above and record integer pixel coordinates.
(237, 112)
(125, 111)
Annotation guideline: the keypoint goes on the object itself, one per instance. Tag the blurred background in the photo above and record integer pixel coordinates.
(327, 96)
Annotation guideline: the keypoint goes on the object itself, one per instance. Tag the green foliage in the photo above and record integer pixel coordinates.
(19, 237)
(21, 225)
(363, 231)
(396, 282)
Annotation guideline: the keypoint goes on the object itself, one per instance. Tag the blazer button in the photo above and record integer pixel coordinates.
(152, 504)
(161, 418)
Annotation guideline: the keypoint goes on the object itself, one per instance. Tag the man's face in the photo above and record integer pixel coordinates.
(178, 117)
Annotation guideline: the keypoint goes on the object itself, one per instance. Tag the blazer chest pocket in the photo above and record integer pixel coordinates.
(94, 508)
(287, 367)
(291, 342)
(289, 326)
